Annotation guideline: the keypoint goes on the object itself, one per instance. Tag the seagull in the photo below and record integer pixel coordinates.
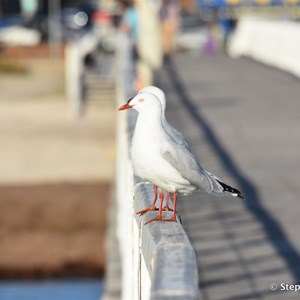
(176, 135)
(158, 157)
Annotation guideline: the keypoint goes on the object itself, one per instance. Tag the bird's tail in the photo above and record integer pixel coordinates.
(228, 189)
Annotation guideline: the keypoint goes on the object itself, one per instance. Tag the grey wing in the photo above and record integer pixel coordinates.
(182, 159)
(179, 137)
(175, 134)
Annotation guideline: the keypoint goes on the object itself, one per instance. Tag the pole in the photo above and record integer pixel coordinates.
(54, 28)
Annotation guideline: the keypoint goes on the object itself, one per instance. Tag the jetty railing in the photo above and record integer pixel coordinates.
(154, 261)
(257, 38)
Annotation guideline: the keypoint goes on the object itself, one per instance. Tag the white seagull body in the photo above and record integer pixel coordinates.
(161, 157)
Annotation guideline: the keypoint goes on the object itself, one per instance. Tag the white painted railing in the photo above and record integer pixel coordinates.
(75, 53)
(273, 42)
(167, 261)
(157, 260)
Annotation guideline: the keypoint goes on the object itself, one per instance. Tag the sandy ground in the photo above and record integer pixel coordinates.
(40, 142)
(54, 178)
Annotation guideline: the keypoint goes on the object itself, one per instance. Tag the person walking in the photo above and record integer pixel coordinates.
(169, 14)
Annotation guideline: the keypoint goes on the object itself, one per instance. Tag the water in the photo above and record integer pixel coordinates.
(73, 289)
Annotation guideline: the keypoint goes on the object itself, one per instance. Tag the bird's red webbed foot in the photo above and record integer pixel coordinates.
(158, 218)
(167, 207)
(173, 218)
(160, 209)
(145, 210)
(152, 207)
(160, 215)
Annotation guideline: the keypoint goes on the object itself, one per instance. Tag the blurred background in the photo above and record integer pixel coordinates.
(57, 122)
(56, 167)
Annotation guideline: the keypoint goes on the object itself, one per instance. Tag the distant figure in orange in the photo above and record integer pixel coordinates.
(169, 14)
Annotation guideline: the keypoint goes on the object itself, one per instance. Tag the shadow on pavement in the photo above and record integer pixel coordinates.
(273, 232)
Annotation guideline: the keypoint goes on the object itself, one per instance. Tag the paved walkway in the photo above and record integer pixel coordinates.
(242, 122)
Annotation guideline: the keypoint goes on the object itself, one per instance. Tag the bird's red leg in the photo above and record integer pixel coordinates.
(167, 208)
(173, 218)
(152, 207)
(160, 215)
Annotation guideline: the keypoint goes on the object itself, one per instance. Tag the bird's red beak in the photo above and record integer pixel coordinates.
(126, 106)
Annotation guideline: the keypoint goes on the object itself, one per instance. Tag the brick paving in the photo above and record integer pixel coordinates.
(241, 119)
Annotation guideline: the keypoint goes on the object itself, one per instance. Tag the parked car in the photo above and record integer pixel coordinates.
(70, 23)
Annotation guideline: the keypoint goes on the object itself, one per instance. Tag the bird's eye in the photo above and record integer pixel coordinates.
(141, 100)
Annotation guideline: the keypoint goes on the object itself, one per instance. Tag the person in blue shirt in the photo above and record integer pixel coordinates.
(130, 24)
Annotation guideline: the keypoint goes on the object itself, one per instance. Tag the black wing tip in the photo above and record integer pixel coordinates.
(233, 191)
(240, 196)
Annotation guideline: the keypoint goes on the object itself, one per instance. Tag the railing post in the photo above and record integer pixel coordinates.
(150, 40)
(75, 53)
(126, 231)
